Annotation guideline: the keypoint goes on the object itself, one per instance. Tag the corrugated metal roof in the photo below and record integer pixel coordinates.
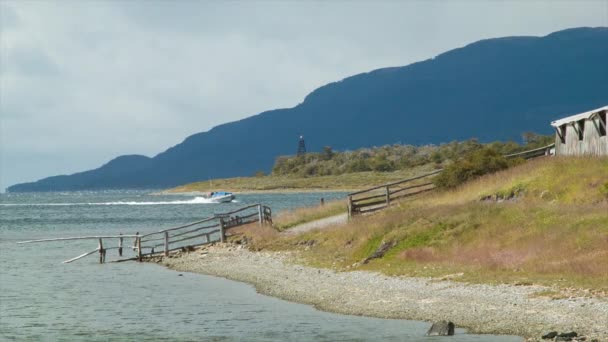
(581, 116)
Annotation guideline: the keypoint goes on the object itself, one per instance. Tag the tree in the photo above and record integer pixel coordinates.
(328, 153)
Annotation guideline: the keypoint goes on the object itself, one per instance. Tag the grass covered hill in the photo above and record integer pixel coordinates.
(541, 222)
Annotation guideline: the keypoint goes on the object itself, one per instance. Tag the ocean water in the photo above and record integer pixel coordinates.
(42, 299)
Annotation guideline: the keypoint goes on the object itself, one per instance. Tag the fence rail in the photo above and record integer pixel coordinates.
(197, 233)
(379, 197)
(537, 152)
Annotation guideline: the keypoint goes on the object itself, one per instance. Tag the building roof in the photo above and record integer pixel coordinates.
(581, 116)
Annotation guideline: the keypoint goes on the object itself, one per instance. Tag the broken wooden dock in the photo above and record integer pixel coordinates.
(209, 230)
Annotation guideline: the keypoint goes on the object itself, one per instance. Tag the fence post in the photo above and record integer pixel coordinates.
(388, 196)
(222, 231)
(350, 206)
(166, 243)
(101, 252)
(120, 246)
(260, 215)
(138, 248)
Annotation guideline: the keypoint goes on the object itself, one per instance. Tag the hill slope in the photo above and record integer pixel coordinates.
(492, 89)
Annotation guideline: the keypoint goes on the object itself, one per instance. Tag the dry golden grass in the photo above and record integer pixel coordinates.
(553, 232)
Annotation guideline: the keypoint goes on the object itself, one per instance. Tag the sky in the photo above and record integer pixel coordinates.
(82, 82)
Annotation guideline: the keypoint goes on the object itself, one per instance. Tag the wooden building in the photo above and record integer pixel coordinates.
(582, 134)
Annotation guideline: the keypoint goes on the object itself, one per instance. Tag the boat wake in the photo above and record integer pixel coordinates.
(195, 200)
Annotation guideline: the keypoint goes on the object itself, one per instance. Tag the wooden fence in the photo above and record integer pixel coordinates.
(381, 196)
(211, 229)
(530, 154)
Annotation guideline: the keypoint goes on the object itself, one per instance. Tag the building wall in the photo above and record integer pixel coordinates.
(592, 143)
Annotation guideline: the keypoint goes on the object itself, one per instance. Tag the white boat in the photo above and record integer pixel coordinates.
(220, 196)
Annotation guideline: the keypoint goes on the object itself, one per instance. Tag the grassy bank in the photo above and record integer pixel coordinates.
(543, 222)
(349, 181)
(298, 216)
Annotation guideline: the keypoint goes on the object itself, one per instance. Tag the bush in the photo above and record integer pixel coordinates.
(604, 190)
(477, 163)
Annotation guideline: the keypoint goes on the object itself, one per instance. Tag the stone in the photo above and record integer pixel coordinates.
(549, 335)
(441, 328)
(566, 336)
(570, 334)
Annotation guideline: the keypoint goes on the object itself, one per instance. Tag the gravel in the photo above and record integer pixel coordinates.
(495, 309)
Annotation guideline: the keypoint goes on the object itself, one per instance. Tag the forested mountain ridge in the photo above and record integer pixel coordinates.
(494, 89)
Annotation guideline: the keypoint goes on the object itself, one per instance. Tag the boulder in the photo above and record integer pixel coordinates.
(441, 328)
(549, 335)
(566, 336)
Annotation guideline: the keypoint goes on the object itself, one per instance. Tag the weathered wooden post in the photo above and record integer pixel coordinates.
(260, 215)
(388, 196)
(101, 252)
(350, 206)
(138, 248)
(166, 243)
(120, 246)
(222, 230)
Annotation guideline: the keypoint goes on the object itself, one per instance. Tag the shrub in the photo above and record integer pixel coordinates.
(475, 164)
(604, 190)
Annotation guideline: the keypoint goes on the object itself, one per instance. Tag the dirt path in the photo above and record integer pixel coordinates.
(318, 224)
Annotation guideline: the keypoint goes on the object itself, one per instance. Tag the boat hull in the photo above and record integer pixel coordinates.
(222, 199)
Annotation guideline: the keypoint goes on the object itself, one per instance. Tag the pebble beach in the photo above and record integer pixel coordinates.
(482, 309)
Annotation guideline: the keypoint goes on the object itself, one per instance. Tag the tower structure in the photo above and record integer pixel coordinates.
(301, 147)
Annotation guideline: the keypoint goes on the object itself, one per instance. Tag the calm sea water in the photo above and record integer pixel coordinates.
(42, 299)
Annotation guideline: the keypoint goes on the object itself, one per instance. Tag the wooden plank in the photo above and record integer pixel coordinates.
(242, 223)
(187, 238)
(181, 227)
(388, 196)
(261, 218)
(369, 204)
(530, 151)
(191, 237)
(100, 249)
(409, 194)
(222, 232)
(372, 209)
(410, 187)
(368, 198)
(395, 183)
(81, 256)
(237, 211)
(166, 243)
(192, 231)
(139, 249)
(77, 238)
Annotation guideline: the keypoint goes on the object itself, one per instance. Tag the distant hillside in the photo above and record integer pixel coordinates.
(493, 89)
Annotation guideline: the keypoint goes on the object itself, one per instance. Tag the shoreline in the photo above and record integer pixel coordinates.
(481, 309)
(247, 192)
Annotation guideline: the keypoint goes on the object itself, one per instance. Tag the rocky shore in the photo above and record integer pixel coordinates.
(502, 309)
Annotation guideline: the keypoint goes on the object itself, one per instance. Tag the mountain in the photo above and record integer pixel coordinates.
(492, 89)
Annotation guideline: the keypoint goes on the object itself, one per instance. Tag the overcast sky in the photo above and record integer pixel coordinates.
(82, 82)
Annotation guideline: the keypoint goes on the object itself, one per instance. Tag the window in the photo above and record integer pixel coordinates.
(562, 133)
(603, 124)
(581, 129)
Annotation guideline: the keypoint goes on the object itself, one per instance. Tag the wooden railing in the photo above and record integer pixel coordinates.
(537, 152)
(381, 196)
(211, 229)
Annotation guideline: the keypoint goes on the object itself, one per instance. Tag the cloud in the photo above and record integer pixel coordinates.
(83, 83)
